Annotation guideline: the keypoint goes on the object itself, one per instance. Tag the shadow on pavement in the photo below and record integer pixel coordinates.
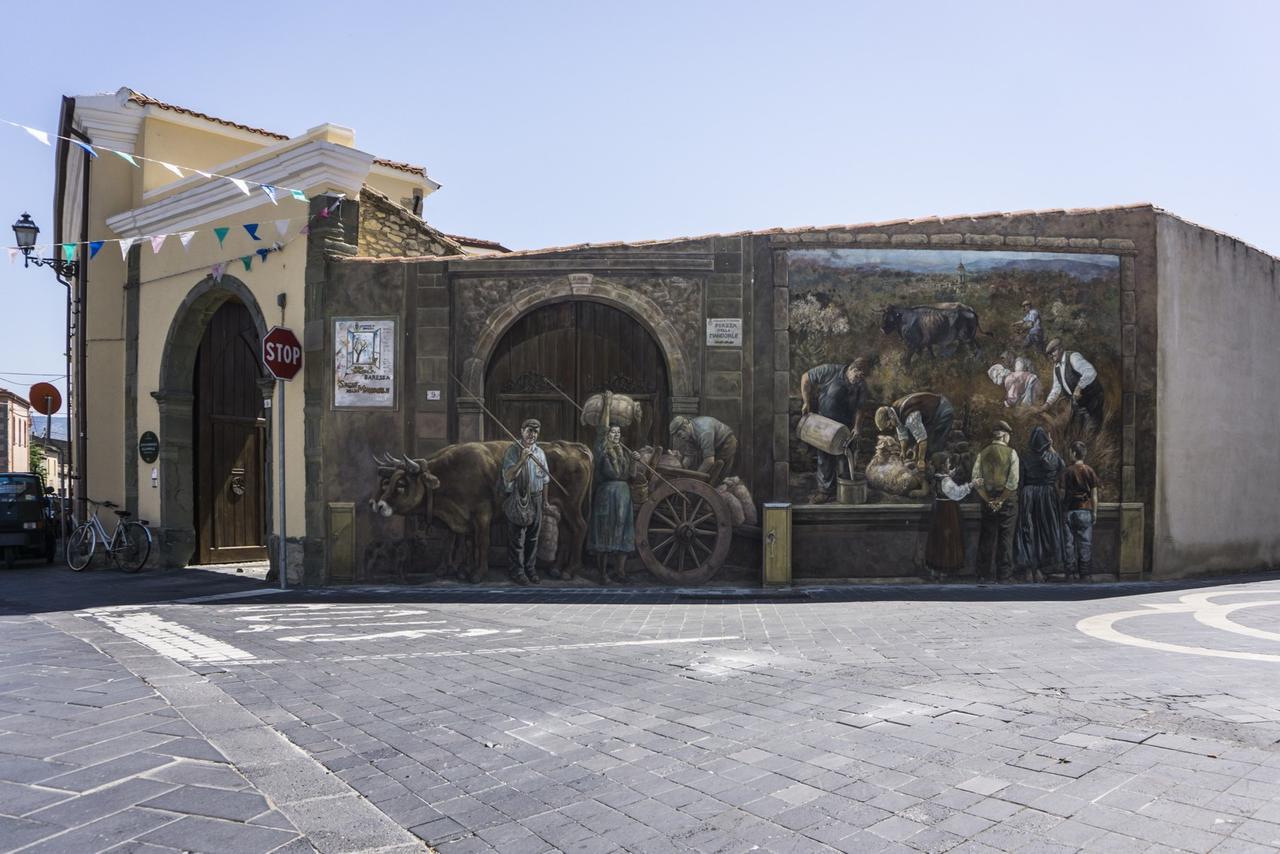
(41, 589)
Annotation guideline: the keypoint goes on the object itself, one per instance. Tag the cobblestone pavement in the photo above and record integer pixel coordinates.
(1024, 718)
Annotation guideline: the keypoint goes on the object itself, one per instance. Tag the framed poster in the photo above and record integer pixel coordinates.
(364, 363)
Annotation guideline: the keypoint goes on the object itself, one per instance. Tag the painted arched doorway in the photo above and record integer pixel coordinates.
(581, 347)
(229, 440)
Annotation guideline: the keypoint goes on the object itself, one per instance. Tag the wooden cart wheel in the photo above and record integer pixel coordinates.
(683, 531)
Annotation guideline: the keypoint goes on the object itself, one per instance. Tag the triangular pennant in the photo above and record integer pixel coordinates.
(282, 227)
(306, 229)
(38, 134)
(174, 169)
(247, 261)
(94, 246)
(86, 146)
(252, 228)
(221, 234)
(125, 243)
(13, 254)
(128, 158)
(244, 187)
(299, 195)
(271, 193)
(218, 270)
(156, 242)
(324, 213)
(334, 206)
(68, 252)
(263, 253)
(202, 174)
(185, 237)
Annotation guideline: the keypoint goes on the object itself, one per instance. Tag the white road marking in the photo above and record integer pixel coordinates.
(170, 639)
(1203, 609)
(404, 633)
(503, 650)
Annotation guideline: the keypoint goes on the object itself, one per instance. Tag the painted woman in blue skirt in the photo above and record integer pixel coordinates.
(613, 524)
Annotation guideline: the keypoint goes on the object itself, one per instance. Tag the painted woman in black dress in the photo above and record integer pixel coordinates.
(1038, 543)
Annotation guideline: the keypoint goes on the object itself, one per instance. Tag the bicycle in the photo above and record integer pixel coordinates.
(128, 547)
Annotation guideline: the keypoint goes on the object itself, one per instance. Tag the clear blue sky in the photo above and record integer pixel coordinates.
(555, 122)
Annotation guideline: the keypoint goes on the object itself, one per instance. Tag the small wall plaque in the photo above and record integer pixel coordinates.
(149, 447)
(724, 332)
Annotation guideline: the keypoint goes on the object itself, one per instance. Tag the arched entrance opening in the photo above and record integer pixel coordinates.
(582, 347)
(187, 492)
(229, 440)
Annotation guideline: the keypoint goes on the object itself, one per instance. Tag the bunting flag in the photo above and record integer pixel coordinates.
(324, 213)
(125, 243)
(333, 207)
(204, 174)
(94, 246)
(13, 254)
(306, 229)
(217, 271)
(282, 227)
(156, 242)
(252, 228)
(129, 159)
(247, 261)
(185, 237)
(174, 169)
(299, 195)
(221, 234)
(243, 185)
(263, 253)
(68, 252)
(86, 146)
(38, 134)
(271, 193)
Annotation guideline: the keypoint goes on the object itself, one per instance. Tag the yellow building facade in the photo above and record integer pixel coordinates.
(144, 367)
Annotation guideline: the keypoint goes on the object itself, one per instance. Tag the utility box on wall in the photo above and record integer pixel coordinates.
(777, 543)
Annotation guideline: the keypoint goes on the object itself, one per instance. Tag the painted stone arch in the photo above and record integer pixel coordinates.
(646, 312)
(176, 398)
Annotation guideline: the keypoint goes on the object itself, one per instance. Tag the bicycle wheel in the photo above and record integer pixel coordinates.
(133, 548)
(80, 546)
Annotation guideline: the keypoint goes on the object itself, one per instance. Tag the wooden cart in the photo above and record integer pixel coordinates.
(684, 527)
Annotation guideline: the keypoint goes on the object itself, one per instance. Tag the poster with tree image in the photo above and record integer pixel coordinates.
(364, 363)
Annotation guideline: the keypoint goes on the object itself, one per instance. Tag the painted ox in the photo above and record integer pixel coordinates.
(457, 486)
(923, 327)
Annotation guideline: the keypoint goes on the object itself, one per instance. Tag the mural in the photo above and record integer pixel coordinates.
(364, 363)
(903, 363)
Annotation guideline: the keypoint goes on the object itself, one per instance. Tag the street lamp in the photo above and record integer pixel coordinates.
(25, 232)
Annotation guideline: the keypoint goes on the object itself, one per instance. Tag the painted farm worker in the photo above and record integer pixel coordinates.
(1080, 486)
(944, 549)
(1038, 545)
(1074, 376)
(612, 533)
(923, 418)
(1021, 387)
(703, 441)
(995, 479)
(524, 480)
(1035, 331)
(837, 392)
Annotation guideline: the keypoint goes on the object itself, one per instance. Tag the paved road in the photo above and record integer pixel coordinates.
(1125, 718)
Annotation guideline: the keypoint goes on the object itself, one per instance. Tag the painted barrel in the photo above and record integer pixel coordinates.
(822, 433)
(851, 490)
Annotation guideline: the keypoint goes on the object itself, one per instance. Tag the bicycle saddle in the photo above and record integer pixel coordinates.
(109, 504)
(123, 514)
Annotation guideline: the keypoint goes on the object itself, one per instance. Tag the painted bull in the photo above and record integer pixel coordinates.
(457, 486)
(924, 326)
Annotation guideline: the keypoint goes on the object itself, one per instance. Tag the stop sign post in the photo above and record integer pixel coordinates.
(282, 357)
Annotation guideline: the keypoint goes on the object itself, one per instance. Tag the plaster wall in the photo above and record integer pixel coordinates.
(1219, 466)
(188, 146)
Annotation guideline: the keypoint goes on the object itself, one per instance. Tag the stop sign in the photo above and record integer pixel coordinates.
(282, 353)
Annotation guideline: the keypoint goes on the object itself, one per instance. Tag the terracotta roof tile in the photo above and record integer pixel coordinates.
(146, 101)
(475, 241)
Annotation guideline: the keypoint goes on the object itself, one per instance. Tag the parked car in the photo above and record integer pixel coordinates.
(26, 530)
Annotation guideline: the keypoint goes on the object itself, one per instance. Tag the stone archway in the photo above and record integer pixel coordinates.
(176, 397)
(681, 367)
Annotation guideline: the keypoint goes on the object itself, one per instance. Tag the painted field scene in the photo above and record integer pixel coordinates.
(960, 337)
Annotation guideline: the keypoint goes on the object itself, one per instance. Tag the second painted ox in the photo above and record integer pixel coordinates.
(923, 327)
(458, 487)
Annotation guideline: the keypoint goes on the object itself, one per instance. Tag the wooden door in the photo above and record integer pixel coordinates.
(582, 348)
(230, 441)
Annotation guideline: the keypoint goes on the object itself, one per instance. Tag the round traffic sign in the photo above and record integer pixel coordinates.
(45, 398)
(282, 353)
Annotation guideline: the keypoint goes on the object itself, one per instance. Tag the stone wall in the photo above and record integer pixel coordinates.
(1219, 310)
(387, 230)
